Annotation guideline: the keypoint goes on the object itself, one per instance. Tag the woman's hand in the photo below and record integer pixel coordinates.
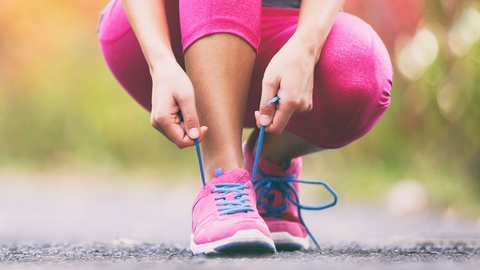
(289, 76)
(173, 92)
(290, 73)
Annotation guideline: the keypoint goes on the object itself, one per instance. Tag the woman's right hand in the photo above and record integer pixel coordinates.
(173, 92)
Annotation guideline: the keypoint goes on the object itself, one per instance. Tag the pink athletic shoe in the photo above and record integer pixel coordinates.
(274, 199)
(225, 218)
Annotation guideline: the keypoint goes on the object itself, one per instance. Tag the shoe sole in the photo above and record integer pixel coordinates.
(246, 241)
(287, 242)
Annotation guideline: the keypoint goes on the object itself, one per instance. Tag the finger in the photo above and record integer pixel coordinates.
(177, 135)
(203, 130)
(267, 110)
(279, 122)
(170, 127)
(189, 114)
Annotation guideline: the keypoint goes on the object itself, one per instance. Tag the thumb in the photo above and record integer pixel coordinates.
(267, 103)
(188, 115)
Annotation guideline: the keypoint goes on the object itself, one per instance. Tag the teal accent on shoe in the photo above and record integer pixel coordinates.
(218, 172)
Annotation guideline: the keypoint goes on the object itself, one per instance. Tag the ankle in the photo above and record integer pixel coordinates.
(265, 153)
(226, 164)
(277, 162)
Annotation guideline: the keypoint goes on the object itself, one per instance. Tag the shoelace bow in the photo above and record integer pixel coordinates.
(264, 185)
(283, 184)
(267, 183)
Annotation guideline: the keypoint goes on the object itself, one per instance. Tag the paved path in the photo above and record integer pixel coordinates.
(91, 222)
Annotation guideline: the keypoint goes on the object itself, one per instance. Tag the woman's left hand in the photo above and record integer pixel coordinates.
(289, 76)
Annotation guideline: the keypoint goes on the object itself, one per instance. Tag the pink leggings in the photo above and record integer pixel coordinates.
(353, 77)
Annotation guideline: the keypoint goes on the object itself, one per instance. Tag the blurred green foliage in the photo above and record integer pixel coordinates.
(61, 109)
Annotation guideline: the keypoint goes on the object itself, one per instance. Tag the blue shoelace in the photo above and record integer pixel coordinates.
(225, 207)
(238, 204)
(199, 153)
(267, 183)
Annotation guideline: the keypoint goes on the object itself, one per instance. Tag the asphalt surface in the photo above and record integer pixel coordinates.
(105, 222)
(444, 255)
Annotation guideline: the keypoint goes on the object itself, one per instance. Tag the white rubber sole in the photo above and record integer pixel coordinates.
(286, 241)
(246, 241)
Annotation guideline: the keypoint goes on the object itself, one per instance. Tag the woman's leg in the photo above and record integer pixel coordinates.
(352, 86)
(220, 67)
(221, 39)
(222, 79)
(351, 92)
(220, 47)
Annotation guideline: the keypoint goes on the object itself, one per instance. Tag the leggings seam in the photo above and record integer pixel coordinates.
(116, 38)
(249, 35)
(110, 6)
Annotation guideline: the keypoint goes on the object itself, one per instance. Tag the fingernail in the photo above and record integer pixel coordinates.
(193, 133)
(265, 120)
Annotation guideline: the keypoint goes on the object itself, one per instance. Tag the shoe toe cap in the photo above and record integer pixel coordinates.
(225, 228)
(294, 228)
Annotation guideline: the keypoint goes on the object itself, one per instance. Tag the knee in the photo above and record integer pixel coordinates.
(354, 80)
(113, 23)
(354, 56)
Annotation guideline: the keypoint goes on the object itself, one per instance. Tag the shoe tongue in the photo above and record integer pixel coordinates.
(274, 169)
(233, 176)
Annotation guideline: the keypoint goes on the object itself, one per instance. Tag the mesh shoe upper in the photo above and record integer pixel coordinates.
(225, 206)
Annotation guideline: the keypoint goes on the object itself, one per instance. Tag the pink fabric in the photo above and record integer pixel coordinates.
(123, 54)
(290, 222)
(205, 17)
(352, 82)
(208, 225)
(352, 79)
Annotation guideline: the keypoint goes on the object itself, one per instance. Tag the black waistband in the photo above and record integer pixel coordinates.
(281, 3)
